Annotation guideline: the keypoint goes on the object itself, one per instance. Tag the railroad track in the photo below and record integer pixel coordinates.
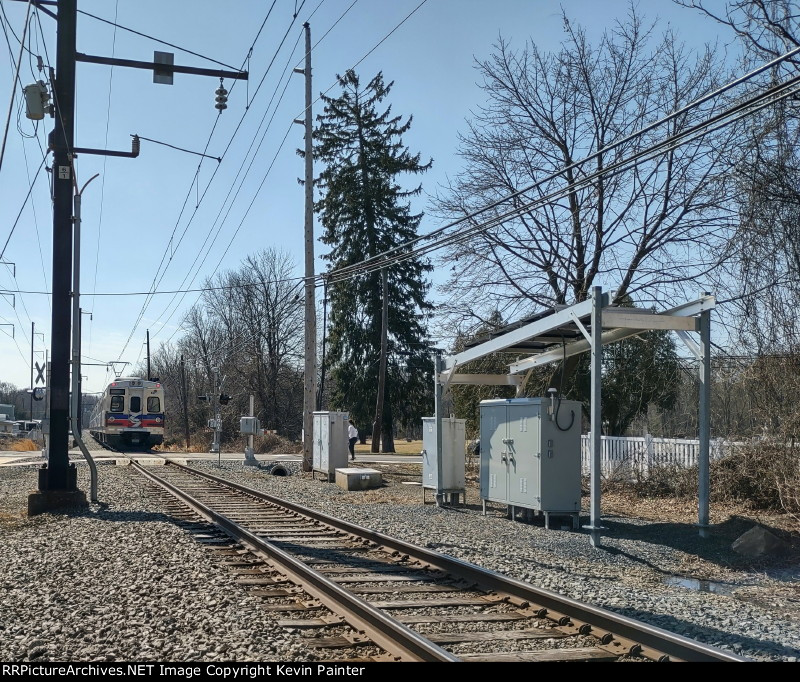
(370, 597)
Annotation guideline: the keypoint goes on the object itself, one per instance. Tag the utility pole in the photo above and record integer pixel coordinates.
(378, 425)
(33, 326)
(310, 373)
(185, 404)
(148, 355)
(58, 480)
(215, 409)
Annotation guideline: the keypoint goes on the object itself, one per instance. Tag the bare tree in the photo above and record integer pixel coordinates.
(260, 310)
(647, 232)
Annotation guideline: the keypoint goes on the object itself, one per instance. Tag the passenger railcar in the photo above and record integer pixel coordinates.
(130, 414)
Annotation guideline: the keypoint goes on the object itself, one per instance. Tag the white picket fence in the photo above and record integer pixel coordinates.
(640, 453)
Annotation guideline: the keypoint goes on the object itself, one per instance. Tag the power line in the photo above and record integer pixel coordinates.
(17, 65)
(230, 206)
(157, 279)
(150, 292)
(393, 255)
(105, 161)
(149, 37)
(264, 178)
(22, 208)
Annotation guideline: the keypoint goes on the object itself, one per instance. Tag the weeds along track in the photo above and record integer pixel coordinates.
(357, 595)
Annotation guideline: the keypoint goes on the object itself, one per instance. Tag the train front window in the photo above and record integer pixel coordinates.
(153, 405)
(136, 403)
(117, 403)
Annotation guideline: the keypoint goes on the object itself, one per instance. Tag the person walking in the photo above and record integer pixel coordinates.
(352, 437)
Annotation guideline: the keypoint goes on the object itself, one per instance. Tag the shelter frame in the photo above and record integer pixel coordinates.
(589, 325)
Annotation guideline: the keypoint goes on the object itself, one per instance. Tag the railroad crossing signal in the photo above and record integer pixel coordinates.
(39, 373)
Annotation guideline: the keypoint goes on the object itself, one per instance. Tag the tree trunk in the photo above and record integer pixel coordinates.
(378, 423)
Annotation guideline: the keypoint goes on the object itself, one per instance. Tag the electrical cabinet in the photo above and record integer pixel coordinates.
(249, 426)
(453, 455)
(329, 450)
(531, 455)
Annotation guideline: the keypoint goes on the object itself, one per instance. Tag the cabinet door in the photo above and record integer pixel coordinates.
(494, 468)
(324, 444)
(523, 447)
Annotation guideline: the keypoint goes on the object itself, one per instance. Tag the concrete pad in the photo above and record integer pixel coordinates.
(352, 478)
(49, 500)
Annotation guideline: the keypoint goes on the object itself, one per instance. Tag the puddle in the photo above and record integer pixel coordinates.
(700, 585)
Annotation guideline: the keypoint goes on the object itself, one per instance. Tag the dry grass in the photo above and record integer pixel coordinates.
(179, 447)
(401, 447)
(23, 445)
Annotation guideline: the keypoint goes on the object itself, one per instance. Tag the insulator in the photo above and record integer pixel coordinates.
(136, 145)
(221, 106)
(221, 99)
(221, 91)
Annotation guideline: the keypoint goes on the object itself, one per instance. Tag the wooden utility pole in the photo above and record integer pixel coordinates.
(148, 355)
(378, 424)
(185, 404)
(310, 370)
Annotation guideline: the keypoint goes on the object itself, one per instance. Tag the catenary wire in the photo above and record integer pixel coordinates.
(382, 260)
(263, 180)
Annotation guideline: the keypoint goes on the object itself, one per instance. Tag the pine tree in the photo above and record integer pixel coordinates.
(364, 211)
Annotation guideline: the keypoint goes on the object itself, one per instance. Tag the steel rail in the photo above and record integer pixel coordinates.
(396, 638)
(674, 646)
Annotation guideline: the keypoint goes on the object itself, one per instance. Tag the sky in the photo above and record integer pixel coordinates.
(169, 219)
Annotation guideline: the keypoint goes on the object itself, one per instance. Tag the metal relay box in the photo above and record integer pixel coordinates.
(453, 456)
(329, 450)
(531, 455)
(249, 426)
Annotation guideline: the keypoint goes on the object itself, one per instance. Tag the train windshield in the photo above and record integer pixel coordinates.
(117, 403)
(136, 403)
(153, 405)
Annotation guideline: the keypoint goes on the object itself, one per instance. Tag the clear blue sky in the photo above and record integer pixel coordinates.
(136, 206)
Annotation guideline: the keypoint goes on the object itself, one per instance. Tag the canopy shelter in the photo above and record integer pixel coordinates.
(585, 327)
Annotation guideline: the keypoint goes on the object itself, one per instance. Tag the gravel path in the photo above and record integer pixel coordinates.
(72, 592)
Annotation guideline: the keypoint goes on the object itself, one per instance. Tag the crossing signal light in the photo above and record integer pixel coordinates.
(224, 398)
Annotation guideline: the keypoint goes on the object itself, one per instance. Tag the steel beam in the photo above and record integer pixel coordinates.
(528, 331)
(704, 303)
(481, 379)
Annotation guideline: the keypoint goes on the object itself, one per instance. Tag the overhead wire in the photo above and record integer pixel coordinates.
(149, 37)
(105, 162)
(393, 255)
(264, 178)
(13, 84)
(231, 204)
(25, 153)
(159, 275)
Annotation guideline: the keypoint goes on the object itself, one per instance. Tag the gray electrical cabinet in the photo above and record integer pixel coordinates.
(453, 456)
(329, 451)
(531, 455)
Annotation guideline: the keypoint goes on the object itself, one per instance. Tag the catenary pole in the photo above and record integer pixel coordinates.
(57, 478)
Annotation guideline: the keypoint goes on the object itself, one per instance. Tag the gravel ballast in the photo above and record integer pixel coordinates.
(119, 582)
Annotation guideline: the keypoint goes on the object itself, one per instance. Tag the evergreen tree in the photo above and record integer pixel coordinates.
(364, 212)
